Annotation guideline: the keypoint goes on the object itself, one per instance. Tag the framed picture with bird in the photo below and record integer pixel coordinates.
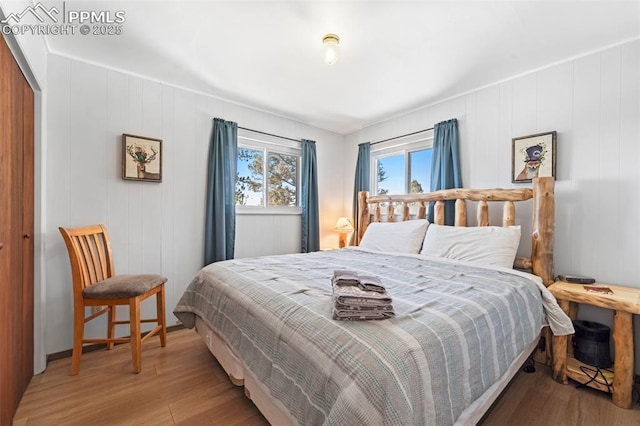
(533, 156)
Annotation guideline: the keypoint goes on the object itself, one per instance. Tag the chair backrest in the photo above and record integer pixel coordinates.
(90, 255)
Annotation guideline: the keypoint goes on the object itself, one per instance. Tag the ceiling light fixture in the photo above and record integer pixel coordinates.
(330, 43)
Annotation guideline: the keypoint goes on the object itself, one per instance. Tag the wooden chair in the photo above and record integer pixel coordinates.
(96, 285)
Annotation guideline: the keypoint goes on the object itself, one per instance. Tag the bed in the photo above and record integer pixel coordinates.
(460, 333)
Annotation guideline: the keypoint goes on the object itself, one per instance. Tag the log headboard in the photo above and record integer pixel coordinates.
(543, 221)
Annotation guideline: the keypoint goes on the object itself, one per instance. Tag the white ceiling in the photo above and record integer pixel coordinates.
(394, 56)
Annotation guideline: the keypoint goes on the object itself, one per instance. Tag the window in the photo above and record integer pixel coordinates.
(250, 177)
(272, 183)
(420, 171)
(282, 175)
(390, 174)
(404, 167)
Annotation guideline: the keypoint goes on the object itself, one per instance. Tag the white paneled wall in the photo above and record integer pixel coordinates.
(154, 227)
(594, 104)
(260, 235)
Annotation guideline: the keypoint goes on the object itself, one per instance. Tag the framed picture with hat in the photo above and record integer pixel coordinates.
(533, 156)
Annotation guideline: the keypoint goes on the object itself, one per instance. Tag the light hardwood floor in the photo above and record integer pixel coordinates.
(183, 384)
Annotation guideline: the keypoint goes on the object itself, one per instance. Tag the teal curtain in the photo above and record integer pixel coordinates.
(362, 182)
(309, 198)
(220, 221)
(445, 165)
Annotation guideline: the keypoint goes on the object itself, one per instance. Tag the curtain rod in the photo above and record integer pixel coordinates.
(402, 136)
(269, 134)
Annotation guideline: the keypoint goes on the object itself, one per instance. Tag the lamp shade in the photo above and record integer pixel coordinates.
(344, 225)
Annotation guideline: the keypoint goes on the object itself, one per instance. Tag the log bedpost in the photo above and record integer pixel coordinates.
(363, 216)
(483, 213)
(461, 213)
(391, 213)
(405, 211)
(422, 211)
(377, 217)
(508, 214)
(438, 213)
(543, 229)
(559, 349)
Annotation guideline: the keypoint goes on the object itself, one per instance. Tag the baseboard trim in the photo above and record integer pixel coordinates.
(97, 346)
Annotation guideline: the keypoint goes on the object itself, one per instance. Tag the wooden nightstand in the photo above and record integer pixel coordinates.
(625, 301)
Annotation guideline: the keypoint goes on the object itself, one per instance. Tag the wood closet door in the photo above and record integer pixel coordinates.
(16, 234)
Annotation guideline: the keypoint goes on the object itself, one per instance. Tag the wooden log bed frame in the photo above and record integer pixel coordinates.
(540, 263)
(543, 222)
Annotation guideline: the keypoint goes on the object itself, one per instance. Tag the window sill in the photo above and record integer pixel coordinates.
(271, 211)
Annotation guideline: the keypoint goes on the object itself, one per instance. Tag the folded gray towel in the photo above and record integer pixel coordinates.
(355, 296)
(345, 278)
(342, 307)
(359, 297)
(361, 315)
(371, 283)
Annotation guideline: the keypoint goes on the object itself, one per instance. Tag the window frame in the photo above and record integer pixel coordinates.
(271, 145)
(401, 146)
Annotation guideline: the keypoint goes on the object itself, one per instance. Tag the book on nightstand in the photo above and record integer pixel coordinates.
(597, 289)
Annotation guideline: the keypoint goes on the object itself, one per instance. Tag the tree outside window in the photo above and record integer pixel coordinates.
(282, 175)
(281, 172)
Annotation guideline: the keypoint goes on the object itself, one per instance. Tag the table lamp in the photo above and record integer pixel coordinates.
(343, 226)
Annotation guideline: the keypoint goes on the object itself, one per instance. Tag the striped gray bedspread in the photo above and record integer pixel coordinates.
(457, 330)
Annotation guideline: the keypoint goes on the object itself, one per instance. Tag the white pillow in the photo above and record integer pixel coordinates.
(486, 245)
(397, 237)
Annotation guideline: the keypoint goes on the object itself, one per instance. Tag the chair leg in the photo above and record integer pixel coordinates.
(78, 335)
(161, 316)
(111, 325)
(134, 326)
